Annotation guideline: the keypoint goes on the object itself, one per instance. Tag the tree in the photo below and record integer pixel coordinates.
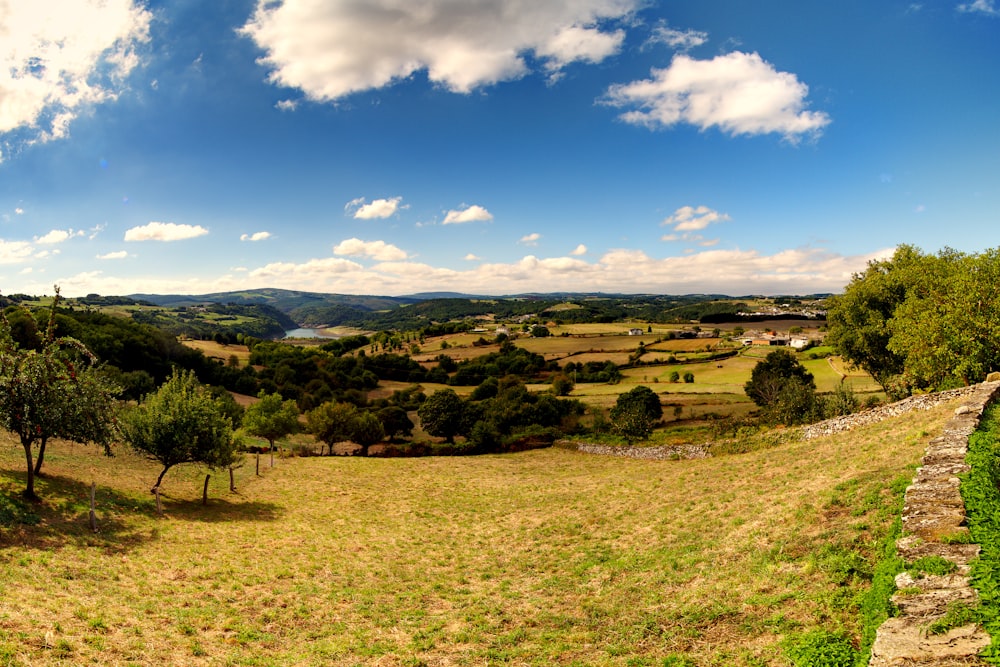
(540, 331)
(688, 377)
(784, 388)
(635, 412)
(54, 390)
(181, 423)
(366, 431)
(947, 330)
(859, 319)
(332, 422)
(631, 422)
(441, 414)
(271, 418)
(770, 374)
(562, 384)
(395, 421)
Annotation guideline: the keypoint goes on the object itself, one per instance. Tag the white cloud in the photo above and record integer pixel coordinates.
(118, 254)
(164, 231)
(334, 48)
(799, 270)
(57, 236)
(376, 210)
(530, 239)
(59, 57)
(18, 211)
(579, 250)
(690, 218)
(739, 93)
(256, 236)
(286, 105)
(379, 250)
(576, 43)
(472, 258)
(988, 7)
(473, 213)
(14, 252)
(682, 40)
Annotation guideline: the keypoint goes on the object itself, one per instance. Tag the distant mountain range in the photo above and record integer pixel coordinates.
(416, 311)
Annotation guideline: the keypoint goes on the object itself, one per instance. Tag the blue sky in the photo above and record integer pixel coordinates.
(490, 146)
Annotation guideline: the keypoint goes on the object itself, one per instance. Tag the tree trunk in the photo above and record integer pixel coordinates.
(258, 463)
(159, 479)
(272, 454)
(41, 455)
(232, 481)
(204, 491)
(93, 507)
(29, 489)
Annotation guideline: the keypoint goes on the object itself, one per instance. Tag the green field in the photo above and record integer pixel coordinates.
(549, 557)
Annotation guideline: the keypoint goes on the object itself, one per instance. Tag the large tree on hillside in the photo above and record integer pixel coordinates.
(181, 423)
(948, 329)
(860, 320)
(53, 391)
(921, 321)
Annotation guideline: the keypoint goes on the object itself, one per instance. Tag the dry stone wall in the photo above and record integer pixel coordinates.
(933, 517)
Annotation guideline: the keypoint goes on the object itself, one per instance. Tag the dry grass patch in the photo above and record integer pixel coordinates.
(214, 350)
(548, 557)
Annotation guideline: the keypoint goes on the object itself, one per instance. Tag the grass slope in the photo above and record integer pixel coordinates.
(548, 557)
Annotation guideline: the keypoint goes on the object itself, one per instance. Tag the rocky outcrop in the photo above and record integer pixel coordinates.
(934, 525)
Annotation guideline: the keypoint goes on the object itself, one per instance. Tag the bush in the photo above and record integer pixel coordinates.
(843, 401)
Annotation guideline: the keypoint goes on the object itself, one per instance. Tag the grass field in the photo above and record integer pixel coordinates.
(549, 557)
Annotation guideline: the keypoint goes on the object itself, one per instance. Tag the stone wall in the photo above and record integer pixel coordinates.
(933, 516)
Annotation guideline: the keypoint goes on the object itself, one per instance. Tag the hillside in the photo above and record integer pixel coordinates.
(418, 311)
(545, 557)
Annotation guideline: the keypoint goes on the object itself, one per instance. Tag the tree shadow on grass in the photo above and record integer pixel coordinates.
(124, 520)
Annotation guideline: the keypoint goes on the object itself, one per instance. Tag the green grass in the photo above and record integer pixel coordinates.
(548, 557)
(981, 494)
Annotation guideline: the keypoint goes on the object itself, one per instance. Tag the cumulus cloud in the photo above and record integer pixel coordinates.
(988, 7)
(164, 231)
(691, 218)
(579, 250)
(530, 239)
(472, 258)
(799, 270)
(14, 252)
(331, 49)
(57, 236)
(256, 236)
(60, 57)
(18, 211)
(376, 210)
(286, 105)
(118, 254)
(379, 250)
(739, 93)
(473, 213)
(681, 40)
